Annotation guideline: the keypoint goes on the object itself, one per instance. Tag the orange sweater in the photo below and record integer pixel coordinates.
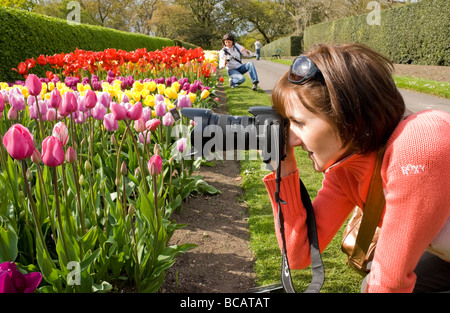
(416, 183)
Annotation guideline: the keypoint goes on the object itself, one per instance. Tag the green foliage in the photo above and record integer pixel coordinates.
(27, 35)
(289, 46)
(418, 33)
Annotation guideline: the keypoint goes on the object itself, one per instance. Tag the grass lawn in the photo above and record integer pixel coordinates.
(339, 278)
(432, 87)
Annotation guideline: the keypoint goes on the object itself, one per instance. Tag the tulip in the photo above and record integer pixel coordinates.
(2, 103)
(61, 132)
(71, 155)
(33, 84)
(181, 145)
(167, 119)
(155, 165)
(90, 99)
(18, 141)
(139, 125)
(146, 113)
(110, 122)
(204, 94)
(55, 99)
(12, 114)
(184, 101)
(135, 112)
(17, 101)
(104, 98)
(160, 108)
(69, 103)
(145, 137)
(51, 115)
(99, 111)
(36, 157)
(119, 111)
(152, 124)
(52, 152)
(13, 281)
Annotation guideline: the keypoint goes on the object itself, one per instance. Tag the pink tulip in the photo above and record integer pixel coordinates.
(18, 141)
(36, 156)
(135, 112)
(33, 84)
(12, 114)
(119, 111)
(55, 99)
(61, 132)
(181, 144)
(160, 108)
(2, 103)
(69, 103)
(51, 115)
(110, 122)
(184, 101)
(146, 114)
(99, 111)
(52, 152)
(145, 137)
(13, 281)
(71, 155)
(152, 124)
(155, 165)
(17, 101)
(90, 99)
(167, 119)
(104, 98)
(139, 125)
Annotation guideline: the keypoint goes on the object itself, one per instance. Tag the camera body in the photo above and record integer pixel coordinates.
(214, 133)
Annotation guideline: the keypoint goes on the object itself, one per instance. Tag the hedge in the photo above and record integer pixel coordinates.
(417, 33)
(289, 46)
(25, 35)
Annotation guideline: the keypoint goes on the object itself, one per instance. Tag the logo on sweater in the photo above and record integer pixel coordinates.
(413, 169)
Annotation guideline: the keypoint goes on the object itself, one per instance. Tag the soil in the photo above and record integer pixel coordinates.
(223, 261)
(439, 73)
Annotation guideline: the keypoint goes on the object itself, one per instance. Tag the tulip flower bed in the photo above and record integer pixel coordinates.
(92, 166)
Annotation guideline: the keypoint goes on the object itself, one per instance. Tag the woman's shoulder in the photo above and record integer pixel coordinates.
(422, 126)
(420, 138)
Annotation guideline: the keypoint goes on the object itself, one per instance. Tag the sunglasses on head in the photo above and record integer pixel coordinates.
(303, 70)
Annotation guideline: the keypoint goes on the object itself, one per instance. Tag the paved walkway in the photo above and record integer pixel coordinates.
(269, 73)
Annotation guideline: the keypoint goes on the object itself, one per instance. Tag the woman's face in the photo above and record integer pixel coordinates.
(316, 135)
(228, 43)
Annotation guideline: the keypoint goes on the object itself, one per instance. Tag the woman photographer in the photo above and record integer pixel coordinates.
(230, 57)
(343, 107)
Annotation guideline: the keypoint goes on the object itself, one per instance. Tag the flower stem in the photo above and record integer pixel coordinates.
(80, 210)
(33, 207)
(138, 156)
(58, 211)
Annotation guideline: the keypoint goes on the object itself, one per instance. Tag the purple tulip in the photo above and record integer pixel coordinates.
(13, 281)
(184, 101)
(160, 108)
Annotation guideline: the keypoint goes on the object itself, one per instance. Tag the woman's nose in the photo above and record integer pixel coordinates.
(294, 139)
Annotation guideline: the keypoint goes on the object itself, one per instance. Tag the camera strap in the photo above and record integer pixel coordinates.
(225, 50)
(318, 272)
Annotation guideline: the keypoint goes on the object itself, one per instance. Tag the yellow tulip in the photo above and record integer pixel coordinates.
(138, 86)
(192, 96)
(51, 86)
(149, 101)
(80, 87)
(205, 94)
(151, 86)
(145, 93)
(3, 86)
(176, 86)
(161, 88)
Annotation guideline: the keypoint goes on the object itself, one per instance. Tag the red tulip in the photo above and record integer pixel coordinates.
(33, 84)
(152, 124)
(18, 141)
(52, 152)
(155, 165)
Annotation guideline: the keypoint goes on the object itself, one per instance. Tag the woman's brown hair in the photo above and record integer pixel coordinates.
(359, 96)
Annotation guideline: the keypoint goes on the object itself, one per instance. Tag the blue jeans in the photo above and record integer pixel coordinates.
(237, 74)
(258, 53)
